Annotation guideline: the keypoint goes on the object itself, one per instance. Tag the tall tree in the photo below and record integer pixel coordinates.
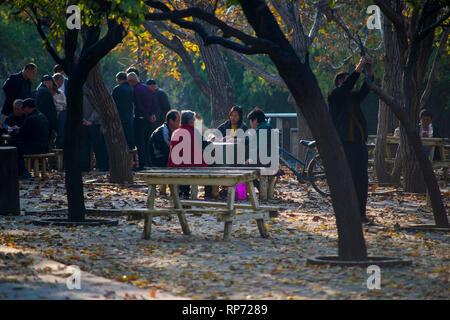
(51, 20)
(303, 85)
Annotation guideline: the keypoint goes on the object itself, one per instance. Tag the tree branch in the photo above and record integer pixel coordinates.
(176, 46)
(430, 28)
(271, 78)
(427, 92)
(47, 44)
(252, 45)
(397, 20)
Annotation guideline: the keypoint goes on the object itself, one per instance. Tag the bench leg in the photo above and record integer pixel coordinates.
(264, 186)
(59, 161)
(44, 169)
(194, 192)
(36, 167)
(255, 205)
(230, 206)
(28, 164)
(177, 205)
(148, 218)
(162, 190)
(272, 182)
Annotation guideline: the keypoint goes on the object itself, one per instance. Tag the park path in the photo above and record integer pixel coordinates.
(25, 275)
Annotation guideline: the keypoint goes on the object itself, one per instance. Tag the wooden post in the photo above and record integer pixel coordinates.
(230, 206)
(36, 167)
(148, 218)
(264, 186)
(9, 186)
(177, 205)
(255, 205)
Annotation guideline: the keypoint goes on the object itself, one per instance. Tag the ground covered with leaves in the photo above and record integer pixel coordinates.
(203, 266)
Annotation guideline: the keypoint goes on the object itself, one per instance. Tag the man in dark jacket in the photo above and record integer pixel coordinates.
(351, 125)
(145, 117)
(45, 102)
(17, 117)
(160, 139)
(161, 101)
(123, 96)
(18, 86)
(32, 137)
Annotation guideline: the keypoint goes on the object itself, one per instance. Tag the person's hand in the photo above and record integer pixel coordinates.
(425, 134)
(14, 128)
(362, 62)
(87, 123)
(212, 139)
(152, 118)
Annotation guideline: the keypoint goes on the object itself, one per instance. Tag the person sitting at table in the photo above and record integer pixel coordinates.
(17, 117)
(235, 121)
(427, 129)
(177, 156)
(257, 121)
(160, 138)
(32, 137)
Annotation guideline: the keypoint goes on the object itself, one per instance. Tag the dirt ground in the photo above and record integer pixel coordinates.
(203, 266)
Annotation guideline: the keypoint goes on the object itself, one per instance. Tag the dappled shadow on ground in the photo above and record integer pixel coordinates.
(246, 267)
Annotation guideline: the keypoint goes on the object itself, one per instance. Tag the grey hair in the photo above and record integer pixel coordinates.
(187, 116)
(20, 101)
(132, 75)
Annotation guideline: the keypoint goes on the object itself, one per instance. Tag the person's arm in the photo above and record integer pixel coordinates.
(8, 87)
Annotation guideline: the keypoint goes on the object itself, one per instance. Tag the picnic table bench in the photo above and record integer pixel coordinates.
(225, 212)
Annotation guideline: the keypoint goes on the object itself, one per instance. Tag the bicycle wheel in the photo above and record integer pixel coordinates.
(317, 177)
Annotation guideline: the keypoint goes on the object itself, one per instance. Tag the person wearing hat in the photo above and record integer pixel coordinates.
(161, 100)
(45, 102)
(32, 136)
(123, 96)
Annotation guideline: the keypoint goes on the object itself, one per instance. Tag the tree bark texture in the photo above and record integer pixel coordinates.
(305, 89)
(120, 164)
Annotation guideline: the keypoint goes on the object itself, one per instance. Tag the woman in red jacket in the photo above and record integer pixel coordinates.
(186, 147)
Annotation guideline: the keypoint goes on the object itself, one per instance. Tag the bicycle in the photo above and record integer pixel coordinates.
(312, 171)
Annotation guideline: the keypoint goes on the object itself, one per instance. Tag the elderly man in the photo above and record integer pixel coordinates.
(145, 117)
(45, 102)
(123, 96)
(160, 138)
(161, 100)
(18, 86)
(17, 117)
(32, 136)
(57, 69)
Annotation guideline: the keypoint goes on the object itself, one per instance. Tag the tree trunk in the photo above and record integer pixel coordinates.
(386, 119)
(9, 186)
(119, 158)
(305, 89)
(222, 97)
(72, 134)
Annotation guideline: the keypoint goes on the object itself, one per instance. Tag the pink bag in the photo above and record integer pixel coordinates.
(241, 192)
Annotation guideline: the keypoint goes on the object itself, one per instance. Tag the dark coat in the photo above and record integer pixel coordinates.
(15, 87)
(160, 143)
(46, 105)
(227, 126)
(34, 133)
(123, 96)
(345, 109)
(162, 104)
(14, 120)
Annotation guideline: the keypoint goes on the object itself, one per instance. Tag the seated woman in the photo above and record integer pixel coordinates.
(178, 145)
(235, 122)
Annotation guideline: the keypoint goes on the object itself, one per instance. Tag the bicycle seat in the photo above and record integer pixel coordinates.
(307, 143)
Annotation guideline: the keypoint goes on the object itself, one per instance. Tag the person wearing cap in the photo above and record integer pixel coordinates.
(45, 102)
(18, 86)
(32, 136)
(123, 96)
(161, 100)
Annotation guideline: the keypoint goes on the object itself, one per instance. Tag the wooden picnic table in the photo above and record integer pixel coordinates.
(224, 212)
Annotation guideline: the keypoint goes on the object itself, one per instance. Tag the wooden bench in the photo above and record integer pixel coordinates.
(59, 159)
(224, 212)
(39, 163)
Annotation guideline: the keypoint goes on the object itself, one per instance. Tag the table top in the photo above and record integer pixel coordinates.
(198, 176)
